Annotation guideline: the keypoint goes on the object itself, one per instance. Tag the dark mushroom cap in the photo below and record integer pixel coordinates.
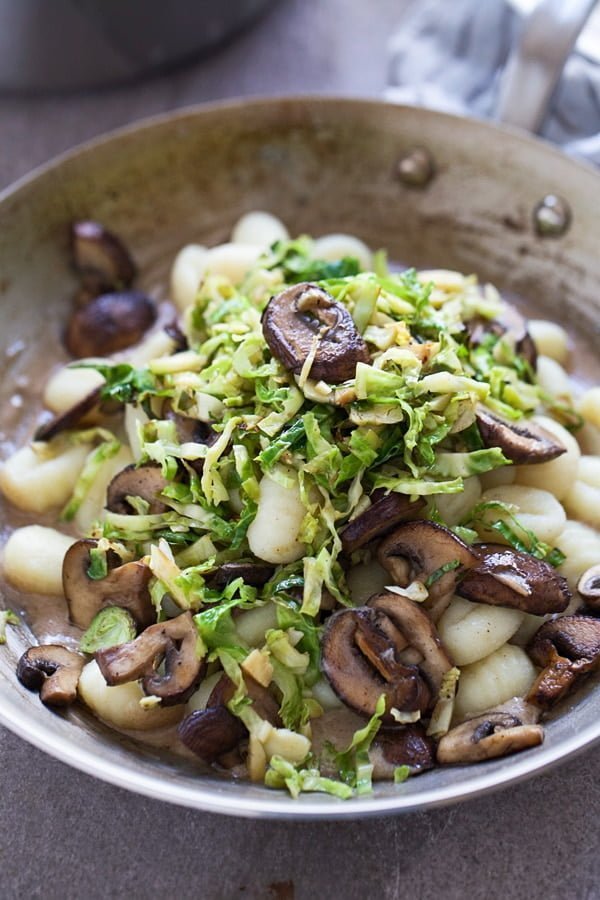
(100, 257)
(145, 481)
(425, 547)
(588, 587)
(109, 323)
(125, 586)
(70, 418)
(293, 319)
(498, 732)
(385, 511)
(254, 573)
(263, 701)
(419, 632)
(568, 647)
(407, 745)
(52, 670)
(360, 668)
(211, 732)
(175, 643)
(507, 577)
(522, 442)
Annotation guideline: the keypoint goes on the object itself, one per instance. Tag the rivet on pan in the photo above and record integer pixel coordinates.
(552, 216)
(416, 169)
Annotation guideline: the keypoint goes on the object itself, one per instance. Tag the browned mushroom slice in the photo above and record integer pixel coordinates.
(145, 481)
(588, 587)
(354, 678)
(509, 323)
(522, 442)
(211, 732)
(263, 701)
(173, 642)
(100, 256)
(420, 549)
(70, 418)
(109, 323)
(125, 586)
(404, 746)
(52, 670)
(301, 313)
(254, 573)
(385, 511)
(419, 632)
(507, 577)
(506, 729)
(567, 647)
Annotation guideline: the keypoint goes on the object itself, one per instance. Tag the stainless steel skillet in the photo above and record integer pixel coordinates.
(321, 164)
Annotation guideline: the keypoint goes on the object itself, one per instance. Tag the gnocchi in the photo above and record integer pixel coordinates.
(505, 673)
(537, 510)
(33, 558)
(38, 478)
(472, 631)
(558, 475)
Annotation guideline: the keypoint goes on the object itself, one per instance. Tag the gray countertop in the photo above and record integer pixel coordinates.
(65, 835)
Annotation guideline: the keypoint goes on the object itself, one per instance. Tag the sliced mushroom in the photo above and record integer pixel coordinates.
(385, 511)
(145, 481)
(522, 442)
(507, 577)
(262, 700)
(506, 729)
(588, 587)
(109, 323)
(211, 732)
(254, 573)
(404, 746)
(100, 256)
(52, 670)
(420, 549)
(419, 632)
(567, 647)
(300, 314)
(360, 670)
(173, 642)
(70, 418)
(125, 586)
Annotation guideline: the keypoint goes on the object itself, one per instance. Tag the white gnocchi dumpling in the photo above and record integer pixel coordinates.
(33, 559)
(260, 229)
(558, 474)
(581, 547)
(538, 511)
(36, 479)
(454, 507)
(68, 386)
(332, 247)
(553, 379)
(366, 579)
(589, 406)
(505, 673)
(232, 261)
(273, 535)
(471, 631)
(186, 274)
(119, 705)
(583, 499)
(498, 477)
(550, 339)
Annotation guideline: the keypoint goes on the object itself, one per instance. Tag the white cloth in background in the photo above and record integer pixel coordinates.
(450, 54)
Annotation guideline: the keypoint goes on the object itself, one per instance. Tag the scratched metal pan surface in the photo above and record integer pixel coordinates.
(322, 165)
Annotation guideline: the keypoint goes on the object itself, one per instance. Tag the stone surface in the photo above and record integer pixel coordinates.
(64, 835)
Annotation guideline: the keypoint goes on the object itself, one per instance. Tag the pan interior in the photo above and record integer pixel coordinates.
(321, 165)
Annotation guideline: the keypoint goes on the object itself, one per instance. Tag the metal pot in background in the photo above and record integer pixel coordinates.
(66, 44)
